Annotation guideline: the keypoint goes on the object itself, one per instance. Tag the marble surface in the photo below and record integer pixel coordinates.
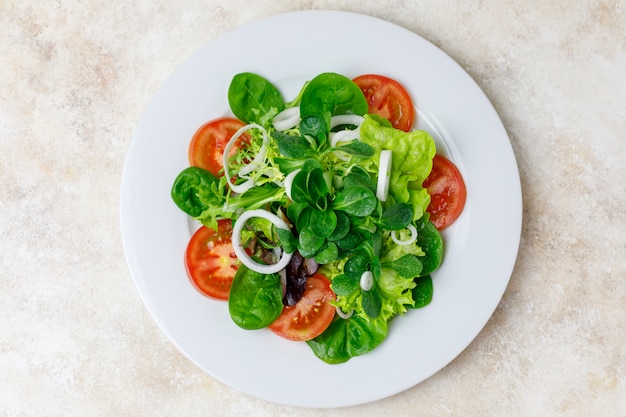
(75, 77)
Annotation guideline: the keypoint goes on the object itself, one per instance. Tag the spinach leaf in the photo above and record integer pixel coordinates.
(359, 176)
(317, 127)
(371, 302)
(309, 186)
(344, 285)
(408, 266)
(309, 243)
(253, 99)
(292, 146)
(356, 148)
(341, 229)
(192, 191)
(287, 240)
(429, 239)
(350, 241)
(323, 222)
(355, 201)
(332, 93)
(357, 264)
(255, 299)
(327, 253)
(423, 291)
(304, 218)
(396, 217)
(287, 165)
(345, 339)
(294, 210)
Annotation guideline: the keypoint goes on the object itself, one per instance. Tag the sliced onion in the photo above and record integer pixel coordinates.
(287, 119)
(384, 174)
(241, 252)
(289, 181)
(343, 315)
(258, 159)
(410, 240)
(240, 188)
(346, 119)
(367, 281)
(344, 136)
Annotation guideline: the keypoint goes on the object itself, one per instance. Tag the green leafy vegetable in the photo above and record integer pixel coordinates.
(430, 241)
(423, 291)
(195, 190)
(327, 253)
(371, 303)
(323, 222)
(345, 339)
(287, 239)
(396, 217)
(356, 148)
(317, 127)
(355, 201)
(412, 154)
(333, 94)
(408, 266)
(253, 99)
(292, 146)
(255, 300)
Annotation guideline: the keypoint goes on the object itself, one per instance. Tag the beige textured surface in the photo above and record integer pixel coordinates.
(75, 338)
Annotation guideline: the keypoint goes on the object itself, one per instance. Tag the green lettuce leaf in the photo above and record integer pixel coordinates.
(412, 155)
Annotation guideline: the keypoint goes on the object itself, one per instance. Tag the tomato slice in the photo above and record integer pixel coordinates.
(206, 149)
(447, 192)
(310, 316)
(211, 261)
(387, 98)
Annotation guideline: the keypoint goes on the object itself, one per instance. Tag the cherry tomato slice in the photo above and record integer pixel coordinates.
(210, 260)
(207, 144)
(387, 98)
(447, 192)
(310, 316)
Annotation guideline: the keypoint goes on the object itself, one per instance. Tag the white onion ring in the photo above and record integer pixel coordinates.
(240, 251)
(410, 240)
(343, 315)
(346, 119)
(289, 181)
(287, 119)
(344, 136)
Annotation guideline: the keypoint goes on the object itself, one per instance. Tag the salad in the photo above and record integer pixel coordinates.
(321, 216)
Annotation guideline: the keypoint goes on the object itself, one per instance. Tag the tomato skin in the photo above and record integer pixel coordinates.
(207, 144)
(210, 260)
(310, 316)
(447, 192)
(387, 98)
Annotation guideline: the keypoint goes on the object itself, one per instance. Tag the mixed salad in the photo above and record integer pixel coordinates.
(321, 216)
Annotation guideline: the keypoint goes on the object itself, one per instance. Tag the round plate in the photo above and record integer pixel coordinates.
(288, 49)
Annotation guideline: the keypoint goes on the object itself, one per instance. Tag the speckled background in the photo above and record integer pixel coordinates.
(75, 77)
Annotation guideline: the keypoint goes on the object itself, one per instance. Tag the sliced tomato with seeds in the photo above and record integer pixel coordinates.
(310, 316)
(447, 192)
(206, 149)
(211, 261)
(387, 98)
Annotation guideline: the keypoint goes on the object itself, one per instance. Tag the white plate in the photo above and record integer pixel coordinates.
(288, 49)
